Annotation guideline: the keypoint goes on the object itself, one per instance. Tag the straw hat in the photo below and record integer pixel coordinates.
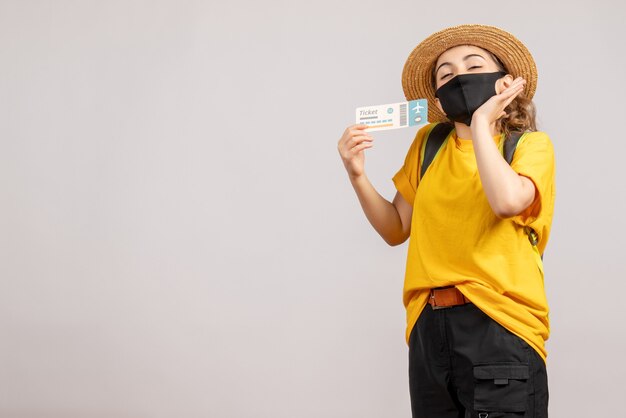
(416, 75)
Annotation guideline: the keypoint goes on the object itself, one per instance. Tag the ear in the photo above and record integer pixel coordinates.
(504, 83)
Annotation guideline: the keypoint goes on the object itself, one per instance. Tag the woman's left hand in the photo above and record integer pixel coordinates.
(493, 109)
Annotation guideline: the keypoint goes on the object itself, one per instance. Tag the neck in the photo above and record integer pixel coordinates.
(465, 132)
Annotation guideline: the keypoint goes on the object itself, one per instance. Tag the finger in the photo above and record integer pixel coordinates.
(511, 92)
(348, 139)
(515, 84)
(358, 148)
(522, 83)
(512, 96)
(513, 88)
(518, 80)
(356, 133)
(360, 138)
(351, 142)
(357, 127)
(519, 89)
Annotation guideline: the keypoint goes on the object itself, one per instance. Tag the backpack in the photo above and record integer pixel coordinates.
(435, 140)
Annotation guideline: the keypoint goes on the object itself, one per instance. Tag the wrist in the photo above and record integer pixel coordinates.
(478, 119)
(479, 124)
(356, 178)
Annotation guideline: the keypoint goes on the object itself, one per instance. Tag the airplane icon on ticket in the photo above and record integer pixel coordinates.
(418, 108)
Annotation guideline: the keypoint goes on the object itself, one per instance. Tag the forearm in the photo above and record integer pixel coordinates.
(506, 191)
(381, 213)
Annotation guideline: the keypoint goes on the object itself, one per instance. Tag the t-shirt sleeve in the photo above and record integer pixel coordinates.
(407, 177)
(534, 158)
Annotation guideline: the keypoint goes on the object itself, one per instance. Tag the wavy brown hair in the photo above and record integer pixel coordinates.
(520, 113)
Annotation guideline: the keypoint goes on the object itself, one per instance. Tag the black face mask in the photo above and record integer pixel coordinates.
(462, 95)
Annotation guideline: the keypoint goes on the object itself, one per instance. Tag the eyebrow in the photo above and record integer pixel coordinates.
(464, 59)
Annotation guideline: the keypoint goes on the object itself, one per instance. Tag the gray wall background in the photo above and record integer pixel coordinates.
(178, 234)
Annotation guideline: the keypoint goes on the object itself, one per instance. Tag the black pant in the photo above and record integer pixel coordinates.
(464, 364)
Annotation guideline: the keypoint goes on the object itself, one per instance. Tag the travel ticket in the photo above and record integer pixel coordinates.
(393, 115)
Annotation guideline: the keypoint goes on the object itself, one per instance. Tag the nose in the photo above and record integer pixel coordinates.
(459, 73)
(452, 75)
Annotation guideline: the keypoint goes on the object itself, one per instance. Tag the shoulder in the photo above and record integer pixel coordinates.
(534, 147)
(535, 141)
(420, 135)
(424, 130)
(429, 126)
(536, 137)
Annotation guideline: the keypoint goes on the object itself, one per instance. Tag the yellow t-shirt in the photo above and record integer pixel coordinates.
(456, 239)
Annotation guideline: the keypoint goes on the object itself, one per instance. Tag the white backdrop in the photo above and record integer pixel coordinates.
(179, 237)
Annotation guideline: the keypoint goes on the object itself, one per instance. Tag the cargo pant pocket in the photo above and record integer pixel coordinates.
(501, 389)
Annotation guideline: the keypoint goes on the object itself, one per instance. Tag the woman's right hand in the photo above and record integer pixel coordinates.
(351, 146)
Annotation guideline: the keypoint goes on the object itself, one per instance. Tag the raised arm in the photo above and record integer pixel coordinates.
(392, 221)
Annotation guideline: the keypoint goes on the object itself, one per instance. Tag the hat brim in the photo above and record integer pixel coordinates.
(416, 75)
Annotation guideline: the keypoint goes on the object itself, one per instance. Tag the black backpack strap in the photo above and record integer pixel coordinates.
(435, 139)
(510, 144)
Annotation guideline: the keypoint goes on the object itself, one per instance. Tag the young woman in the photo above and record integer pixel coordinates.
(477, 313)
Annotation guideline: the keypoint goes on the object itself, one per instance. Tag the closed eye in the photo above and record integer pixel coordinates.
(474, 66)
